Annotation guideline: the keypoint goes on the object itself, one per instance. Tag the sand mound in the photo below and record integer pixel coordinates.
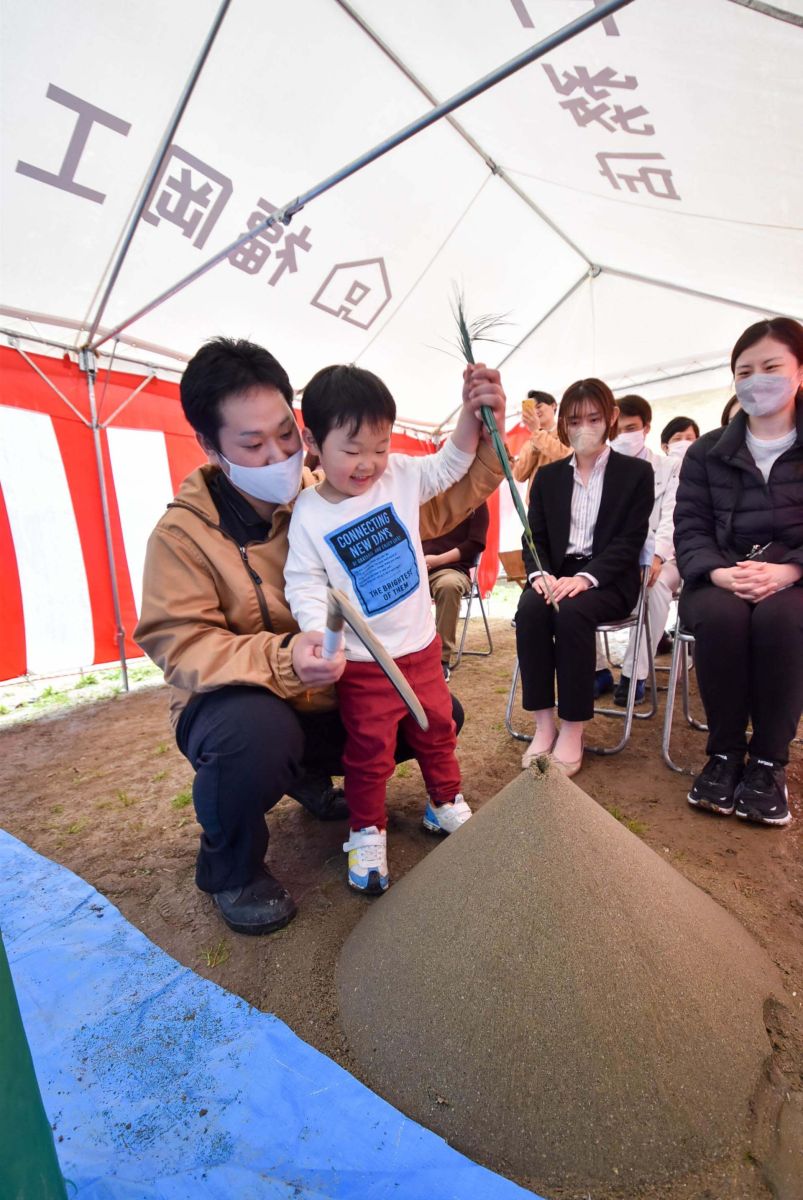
(556, 1000)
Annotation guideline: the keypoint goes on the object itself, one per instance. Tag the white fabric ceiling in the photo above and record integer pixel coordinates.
(291, 93)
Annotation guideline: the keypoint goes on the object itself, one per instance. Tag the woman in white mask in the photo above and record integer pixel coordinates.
(739, 542)
(678, 435)
(589, 516)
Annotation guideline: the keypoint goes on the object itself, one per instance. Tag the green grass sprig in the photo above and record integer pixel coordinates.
(480, 330)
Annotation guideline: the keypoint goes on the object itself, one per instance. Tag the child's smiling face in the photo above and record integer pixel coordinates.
(353, 459)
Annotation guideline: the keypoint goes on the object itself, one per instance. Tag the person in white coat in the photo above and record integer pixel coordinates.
(635, 416)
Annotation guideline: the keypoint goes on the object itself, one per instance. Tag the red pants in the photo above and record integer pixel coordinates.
(372, 712)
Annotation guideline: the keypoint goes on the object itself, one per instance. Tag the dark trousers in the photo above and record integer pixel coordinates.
(563, 644)
(248, 747)
(749, 662)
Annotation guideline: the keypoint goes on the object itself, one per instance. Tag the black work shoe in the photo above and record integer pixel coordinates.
(603, 683)
(762, 794)
(262, 906)
(315, 791)
(714, 787)
(665, 644)
(622, 689)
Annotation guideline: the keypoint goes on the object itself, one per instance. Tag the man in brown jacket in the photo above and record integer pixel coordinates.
(540, 416)
(252, 699)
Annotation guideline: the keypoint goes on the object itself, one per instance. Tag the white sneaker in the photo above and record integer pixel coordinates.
(446, 818)
(368, 860)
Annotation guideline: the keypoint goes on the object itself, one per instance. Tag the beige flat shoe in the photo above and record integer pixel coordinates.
(529, 756)
(568, 768)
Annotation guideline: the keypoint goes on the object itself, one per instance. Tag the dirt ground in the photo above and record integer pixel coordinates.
(103, 790)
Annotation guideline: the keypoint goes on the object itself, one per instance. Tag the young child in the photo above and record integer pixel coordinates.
(358, 530)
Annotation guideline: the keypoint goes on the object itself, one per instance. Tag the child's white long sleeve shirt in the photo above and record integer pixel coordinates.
(369, 547)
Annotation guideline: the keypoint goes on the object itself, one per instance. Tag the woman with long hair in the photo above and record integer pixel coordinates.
(739, 543)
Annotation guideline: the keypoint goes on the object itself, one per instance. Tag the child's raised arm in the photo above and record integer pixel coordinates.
(482, 386)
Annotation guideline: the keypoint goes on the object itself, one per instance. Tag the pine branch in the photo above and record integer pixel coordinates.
(480, 330)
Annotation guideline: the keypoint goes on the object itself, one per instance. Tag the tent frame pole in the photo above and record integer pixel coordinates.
(88, 366)
(12, 341)
(616, 273)
(284, 214)
(771, 10)
(156, 166)
(492, 166)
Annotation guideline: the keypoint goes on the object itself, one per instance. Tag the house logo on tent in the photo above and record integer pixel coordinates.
(355, 291)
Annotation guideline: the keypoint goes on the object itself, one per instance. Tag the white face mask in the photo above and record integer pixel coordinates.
(631, 443)
(585, 440)
(763, 395)
(678, 449)
(275, 483)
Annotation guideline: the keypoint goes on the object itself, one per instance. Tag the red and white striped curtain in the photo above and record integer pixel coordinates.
(56, 610)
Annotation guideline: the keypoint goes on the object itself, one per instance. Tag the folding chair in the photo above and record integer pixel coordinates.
(474, 593)
(679, 668)
(513, 565)
(638, 620)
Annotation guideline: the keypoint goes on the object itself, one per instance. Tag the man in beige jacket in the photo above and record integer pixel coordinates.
(252, 699)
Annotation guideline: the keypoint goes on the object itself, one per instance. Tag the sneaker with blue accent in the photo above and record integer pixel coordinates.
(762, 795)
(446, 818)
(368, 860)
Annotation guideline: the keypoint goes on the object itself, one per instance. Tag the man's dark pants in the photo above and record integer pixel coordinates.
(248, 748)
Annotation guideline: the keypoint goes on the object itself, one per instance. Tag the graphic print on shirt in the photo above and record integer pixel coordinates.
(378, 555)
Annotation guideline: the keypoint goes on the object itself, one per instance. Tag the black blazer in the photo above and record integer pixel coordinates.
(623, 521)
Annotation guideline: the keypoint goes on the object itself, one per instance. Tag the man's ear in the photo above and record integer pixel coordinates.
(646, 428)
(309, 442)
(209, 450)
(614, 417)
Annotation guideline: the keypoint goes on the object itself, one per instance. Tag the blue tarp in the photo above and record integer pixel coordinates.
(162, 1086)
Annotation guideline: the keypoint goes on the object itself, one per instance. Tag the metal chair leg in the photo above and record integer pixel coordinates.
(511, 700)
(679, 650)
(629, 713)
(473, 592)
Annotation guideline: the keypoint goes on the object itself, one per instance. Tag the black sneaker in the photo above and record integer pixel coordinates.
(714, 787)
(623, 687)
(762, 794)
(447, 674)
(315, 791)
(262, 906)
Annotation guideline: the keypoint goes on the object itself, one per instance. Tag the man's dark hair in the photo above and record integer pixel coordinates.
(345, 397)
(635, 406)
(226, 367)
(678, 425)
(542, 398)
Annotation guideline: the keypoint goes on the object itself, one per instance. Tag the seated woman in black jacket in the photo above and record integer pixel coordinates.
(589, 516)
(739, 542)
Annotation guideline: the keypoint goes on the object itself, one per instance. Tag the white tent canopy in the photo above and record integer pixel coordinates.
(631, 200)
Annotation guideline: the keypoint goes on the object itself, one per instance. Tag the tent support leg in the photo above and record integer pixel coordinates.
(87, 363)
